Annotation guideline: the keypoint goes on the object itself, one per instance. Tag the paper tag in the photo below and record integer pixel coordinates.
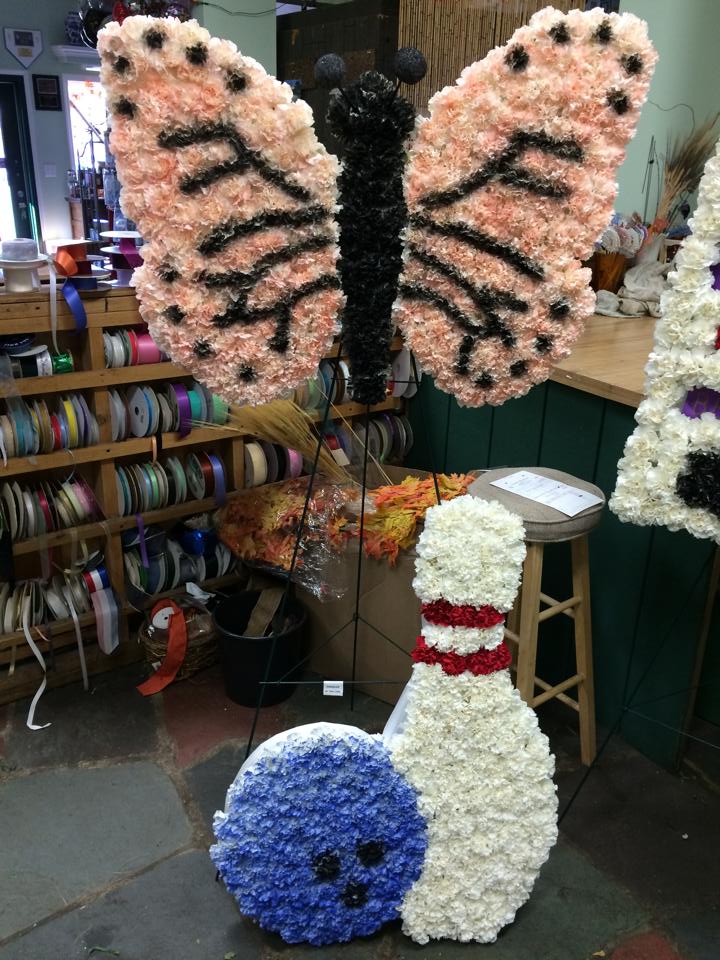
(332, 688)
(552, 493)
(340, 457)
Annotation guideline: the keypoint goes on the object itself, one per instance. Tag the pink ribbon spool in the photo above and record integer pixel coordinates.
(295, 463)
(148, 351)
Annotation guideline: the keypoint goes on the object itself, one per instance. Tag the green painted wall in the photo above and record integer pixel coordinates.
(648, 585)
(685, 35)
(253, 35)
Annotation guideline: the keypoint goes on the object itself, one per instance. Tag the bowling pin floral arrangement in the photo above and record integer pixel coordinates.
(446, 819)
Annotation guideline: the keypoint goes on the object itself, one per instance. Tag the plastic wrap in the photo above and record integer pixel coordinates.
(261, 526)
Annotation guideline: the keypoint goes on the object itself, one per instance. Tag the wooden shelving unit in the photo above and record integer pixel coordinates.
(30, 313)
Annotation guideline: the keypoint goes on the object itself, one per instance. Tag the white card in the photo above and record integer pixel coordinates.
(553, 493)
(333, 688)
(340, 457)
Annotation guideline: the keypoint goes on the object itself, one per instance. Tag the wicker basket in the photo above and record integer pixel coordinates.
(202, 643)
(608, 270)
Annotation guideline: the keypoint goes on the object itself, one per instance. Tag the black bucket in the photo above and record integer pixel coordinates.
(245, 659)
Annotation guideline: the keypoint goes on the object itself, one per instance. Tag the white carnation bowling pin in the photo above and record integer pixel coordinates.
(463, 737)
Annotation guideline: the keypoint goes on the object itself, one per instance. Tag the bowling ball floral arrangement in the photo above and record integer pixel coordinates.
(320, 838)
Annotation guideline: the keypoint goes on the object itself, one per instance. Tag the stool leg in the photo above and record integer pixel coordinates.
(529, 610)
(583, 649)
(513, 624)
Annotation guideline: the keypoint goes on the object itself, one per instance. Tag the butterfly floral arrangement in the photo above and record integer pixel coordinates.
(670, 471)
(466, 229)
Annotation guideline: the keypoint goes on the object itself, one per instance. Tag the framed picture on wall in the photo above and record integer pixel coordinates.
(47, 92)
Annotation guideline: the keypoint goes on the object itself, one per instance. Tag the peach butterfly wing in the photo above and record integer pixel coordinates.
(234, 196)
(509, 182)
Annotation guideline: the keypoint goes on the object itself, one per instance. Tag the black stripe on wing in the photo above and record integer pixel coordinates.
(483, 296)
(245, 159)
(226, 233)
(458, 230)
(504, 167)
(245, 281)
(239, 312)
(487, 299)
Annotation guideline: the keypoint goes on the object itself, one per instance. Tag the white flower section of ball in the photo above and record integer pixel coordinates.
(470, 552)
(483, 770)
(462, 640)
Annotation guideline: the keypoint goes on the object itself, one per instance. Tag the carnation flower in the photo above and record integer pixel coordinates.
(320, 837)
(666, 475)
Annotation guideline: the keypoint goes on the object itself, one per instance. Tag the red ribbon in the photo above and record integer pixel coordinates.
(479, 663)
(175, 653)
(446, 614)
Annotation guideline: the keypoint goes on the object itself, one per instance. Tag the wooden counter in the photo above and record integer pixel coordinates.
(609, 359)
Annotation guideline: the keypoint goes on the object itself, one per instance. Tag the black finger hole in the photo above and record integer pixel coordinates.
(326, 865)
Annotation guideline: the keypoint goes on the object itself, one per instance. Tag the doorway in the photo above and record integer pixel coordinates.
(18, 196)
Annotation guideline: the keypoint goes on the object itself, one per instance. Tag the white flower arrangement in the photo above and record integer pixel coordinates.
(668, 473)
(483, 771)
(470, 552)
(465, 740)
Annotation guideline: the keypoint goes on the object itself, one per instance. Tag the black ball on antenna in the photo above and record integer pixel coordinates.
(330, 70)
(410, 65)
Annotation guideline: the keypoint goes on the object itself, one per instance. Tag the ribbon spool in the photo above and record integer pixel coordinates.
(256, 465)
(46, 506)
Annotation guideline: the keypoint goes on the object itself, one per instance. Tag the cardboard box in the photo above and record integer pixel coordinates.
(387, 602)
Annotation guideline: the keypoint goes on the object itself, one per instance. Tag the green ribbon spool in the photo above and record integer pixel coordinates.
(62, 363)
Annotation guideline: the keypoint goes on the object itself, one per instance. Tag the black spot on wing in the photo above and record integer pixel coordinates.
(236, 82)
(125, 108)
(247, 373)
(619, 101)
(174, 315)
(559, 309)
(559, 32)
(121, 65)
(168, 273)
(632, 64)
(203, 349)
(604, 33)
(517, 57)
(197, 54)
(154, 39)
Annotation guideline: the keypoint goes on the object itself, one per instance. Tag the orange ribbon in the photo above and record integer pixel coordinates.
(175, 653)
(65, 263)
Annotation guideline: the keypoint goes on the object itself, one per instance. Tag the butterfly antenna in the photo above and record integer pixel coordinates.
(409, 66)
(330, 72)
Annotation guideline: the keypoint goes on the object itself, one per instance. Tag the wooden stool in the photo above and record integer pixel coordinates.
(547, 525)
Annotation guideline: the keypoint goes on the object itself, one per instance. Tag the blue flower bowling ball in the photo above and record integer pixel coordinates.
(321, 838)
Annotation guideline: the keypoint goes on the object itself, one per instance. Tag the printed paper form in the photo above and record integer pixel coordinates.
(552, 493)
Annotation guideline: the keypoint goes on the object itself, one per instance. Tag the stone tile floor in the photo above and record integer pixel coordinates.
(105, 822)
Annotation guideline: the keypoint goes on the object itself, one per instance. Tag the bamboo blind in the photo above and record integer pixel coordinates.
(454, 33)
